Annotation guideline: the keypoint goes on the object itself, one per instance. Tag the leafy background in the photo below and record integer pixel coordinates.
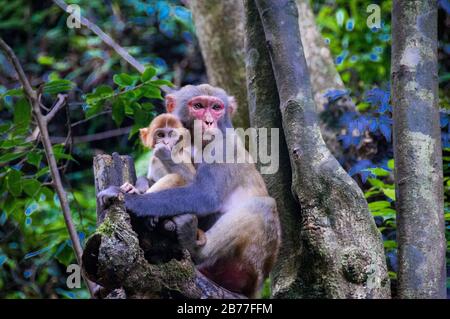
(106, 95)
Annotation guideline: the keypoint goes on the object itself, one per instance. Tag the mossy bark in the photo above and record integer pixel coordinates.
(342, 254)
(132, 261)
(263, 101)
(417, 150)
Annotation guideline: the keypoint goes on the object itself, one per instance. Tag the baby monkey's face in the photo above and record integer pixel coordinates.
(166, 137)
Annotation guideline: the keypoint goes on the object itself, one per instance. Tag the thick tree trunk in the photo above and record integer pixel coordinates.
(130, 261)
(323, 73)
(343, 255)
(220, 30)
(262, 99)
(417, 150)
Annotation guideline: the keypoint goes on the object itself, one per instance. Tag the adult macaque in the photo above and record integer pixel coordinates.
(243, 241)
(163, 133)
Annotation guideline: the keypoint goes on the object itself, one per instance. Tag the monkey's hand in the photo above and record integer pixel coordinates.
(187, 232)
(129, 189)
(108, 195)
(163, 153)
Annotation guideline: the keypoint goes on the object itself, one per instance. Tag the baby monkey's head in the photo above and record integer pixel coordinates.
(164, 130)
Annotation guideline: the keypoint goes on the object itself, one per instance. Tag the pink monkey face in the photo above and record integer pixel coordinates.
(208, 109)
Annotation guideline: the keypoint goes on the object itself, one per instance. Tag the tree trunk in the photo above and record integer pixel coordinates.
(417, 150)
(130, 261)
(343, 255)
(262, 97)
(220, 30)
(323, 73)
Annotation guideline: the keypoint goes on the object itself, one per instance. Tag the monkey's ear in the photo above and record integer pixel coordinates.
(170, 103)
(144, 134)
(232, 105)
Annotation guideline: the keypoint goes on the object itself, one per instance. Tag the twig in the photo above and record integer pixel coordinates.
(90, 118)
(45, 138)
(93, 137)
(105, 38)
(47, 118)
(58, 106)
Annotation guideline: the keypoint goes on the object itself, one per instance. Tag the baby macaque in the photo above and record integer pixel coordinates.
(162, 135)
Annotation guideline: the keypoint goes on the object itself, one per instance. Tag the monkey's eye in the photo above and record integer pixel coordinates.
(198, 106)
(216, 107)
(160, 134)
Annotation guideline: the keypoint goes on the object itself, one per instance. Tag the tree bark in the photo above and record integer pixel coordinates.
(417, 150)
(130, 261)
(262, 97)
(219, 27)
(323, 73)
(343, 253)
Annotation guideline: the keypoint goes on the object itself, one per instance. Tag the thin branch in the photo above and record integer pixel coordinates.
(52, 112)
(92, 137)
(90, 118)
(58, 106)
(102, 35)
(45, 138)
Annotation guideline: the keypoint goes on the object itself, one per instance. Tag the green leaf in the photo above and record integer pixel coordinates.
(8, 157)
(43, 171)
(58, 86)
(378, 171)
(376, 182)
(58, 150)
(386, 213)
(161, 82)
(390, 244)
(141, 117)
(391, 164)
(22, 113)
(147, 106)
(13, 182)
(93, 109)
(46, 60)
(65, 256)
(14, 142)
(151, 92)
(34, 158)
(148, 74)
(118, 111)
(389, 193)
(379, 205)
(31, 187)
(134, 129)
(14, 92)
(123, 80)
(104, 90)
(4, 127)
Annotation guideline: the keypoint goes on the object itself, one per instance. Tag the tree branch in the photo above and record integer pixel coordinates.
(42, 124)
(124, 255)
(93, 137)
(105, 38)
(344, 255)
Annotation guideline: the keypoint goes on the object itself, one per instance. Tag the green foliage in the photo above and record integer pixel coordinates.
(362, 55)
(131, 98)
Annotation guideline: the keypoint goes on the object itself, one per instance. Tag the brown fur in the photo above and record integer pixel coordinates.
(163, 120)
(243, 243)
